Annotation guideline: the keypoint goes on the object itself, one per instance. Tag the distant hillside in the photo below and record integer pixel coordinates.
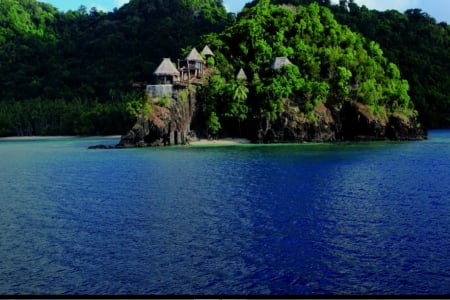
(414, 41)
(89, 56)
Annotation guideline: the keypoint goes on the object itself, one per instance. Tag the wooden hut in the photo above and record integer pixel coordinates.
(193, 65)
(280, 62)
(166, 73)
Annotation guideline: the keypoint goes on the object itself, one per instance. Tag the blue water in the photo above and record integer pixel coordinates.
(351, 218)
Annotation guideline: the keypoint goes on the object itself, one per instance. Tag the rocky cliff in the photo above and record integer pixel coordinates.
(167, 123)
(171, 124)
(352, 121)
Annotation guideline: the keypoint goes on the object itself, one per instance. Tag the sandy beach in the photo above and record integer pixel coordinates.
(219, 142)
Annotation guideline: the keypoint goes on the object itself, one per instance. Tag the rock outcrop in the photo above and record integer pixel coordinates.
(352, 121)
(168, 122)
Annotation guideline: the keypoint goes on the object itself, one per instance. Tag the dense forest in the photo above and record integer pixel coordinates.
(328, 65)
(73, 72)
(414, 41)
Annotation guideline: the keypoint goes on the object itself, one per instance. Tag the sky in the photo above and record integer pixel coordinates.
(438, 9)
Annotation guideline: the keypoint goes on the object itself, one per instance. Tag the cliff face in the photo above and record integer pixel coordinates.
(171, 124)
(167, 123)
(353, 121)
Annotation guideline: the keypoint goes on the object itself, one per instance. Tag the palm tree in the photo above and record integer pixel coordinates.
(239, 107)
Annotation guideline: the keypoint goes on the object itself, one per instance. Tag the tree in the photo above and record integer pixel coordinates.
(237, 107)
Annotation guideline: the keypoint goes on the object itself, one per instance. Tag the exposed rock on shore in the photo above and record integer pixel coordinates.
(167, 123)
(352, 122)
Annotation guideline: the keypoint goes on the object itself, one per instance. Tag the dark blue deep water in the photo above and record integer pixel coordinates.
(351, 218)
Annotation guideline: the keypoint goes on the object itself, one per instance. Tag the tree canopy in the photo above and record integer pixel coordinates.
(86, 56)
(330, 64)
(89, 60)
(414, 41)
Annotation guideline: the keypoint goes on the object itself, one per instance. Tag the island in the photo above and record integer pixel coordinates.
(281, 73)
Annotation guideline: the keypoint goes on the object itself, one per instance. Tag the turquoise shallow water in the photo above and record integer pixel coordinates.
(350, 218)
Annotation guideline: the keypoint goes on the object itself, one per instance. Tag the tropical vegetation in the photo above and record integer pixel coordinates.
(82, 71)
(329, 64)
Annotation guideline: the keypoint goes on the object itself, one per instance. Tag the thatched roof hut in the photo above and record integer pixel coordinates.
(166, 68)
(241, 75)
(194, 56)
(280, 62)
(166, 72)
(207, 51)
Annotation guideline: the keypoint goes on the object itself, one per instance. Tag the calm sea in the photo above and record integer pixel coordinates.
(349, 218)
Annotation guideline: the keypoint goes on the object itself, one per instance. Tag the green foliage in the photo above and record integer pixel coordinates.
(164, 101)
(137, 105)
(210, 61)
(133, 108)
(414, 41)
(84, 62)
(330, 65)
(184, 95)
(236, 105)
(60, 117)
(420, 47)
(213, 123)
(369, 92)
(85, 54)
(344, 76)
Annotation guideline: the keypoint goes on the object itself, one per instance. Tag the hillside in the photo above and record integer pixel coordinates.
(70, 73)
(414, 41)
(283, 73)
(331, 69)
(74, 72)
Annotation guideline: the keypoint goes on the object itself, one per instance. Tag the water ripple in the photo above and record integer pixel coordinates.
(364, 218)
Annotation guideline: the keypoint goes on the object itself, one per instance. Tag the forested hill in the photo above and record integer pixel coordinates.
(308, 78)
(72, 72)
(49, 54)
(414, 41)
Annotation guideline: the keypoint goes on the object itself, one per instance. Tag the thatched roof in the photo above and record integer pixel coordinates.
(280, 62)
(241, 75)
(166, 68)
(194, 56)
(207, 51)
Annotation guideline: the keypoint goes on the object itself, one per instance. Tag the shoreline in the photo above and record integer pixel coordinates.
(55, 137)
(195, 142)
(219, 142)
